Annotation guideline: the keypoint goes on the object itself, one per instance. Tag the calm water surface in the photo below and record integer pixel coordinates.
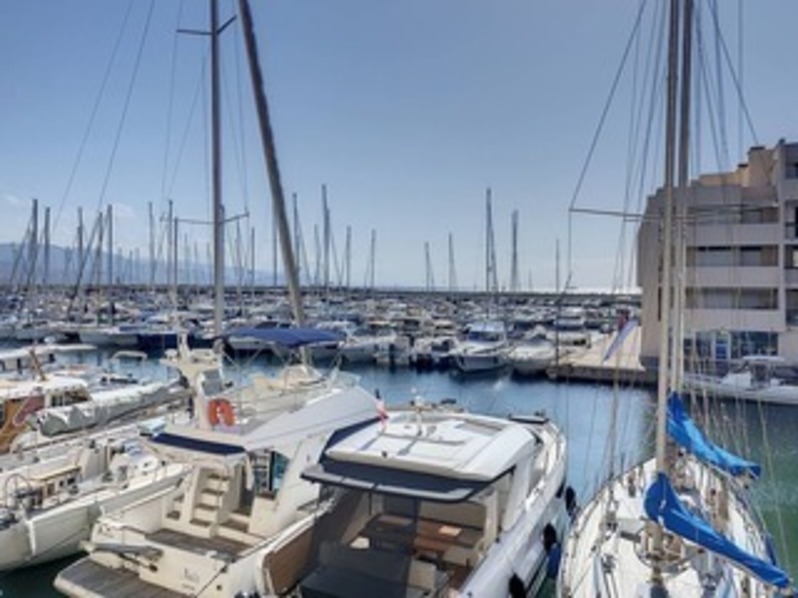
(585, 413)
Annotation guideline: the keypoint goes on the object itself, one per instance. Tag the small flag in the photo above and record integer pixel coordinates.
(382, 412)
(628, 326)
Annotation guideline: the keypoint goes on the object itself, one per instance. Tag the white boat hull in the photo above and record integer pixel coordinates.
(58, 531)
(781, 394)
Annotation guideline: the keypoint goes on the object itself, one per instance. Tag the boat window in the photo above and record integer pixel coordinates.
(212, 383)
(268, 469)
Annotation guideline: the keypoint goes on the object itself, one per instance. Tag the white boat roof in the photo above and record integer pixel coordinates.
(448, 444)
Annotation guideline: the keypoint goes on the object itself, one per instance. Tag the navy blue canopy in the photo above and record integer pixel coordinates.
(663, 506)
(290, 338)
(685, 432)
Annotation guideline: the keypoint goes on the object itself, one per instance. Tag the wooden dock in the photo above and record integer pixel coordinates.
(588, 364)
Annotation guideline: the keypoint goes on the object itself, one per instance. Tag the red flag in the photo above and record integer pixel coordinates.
(382, 412)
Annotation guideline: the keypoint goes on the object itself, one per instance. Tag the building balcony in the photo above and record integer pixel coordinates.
(735, 319)
(730, 235)
(724, 277)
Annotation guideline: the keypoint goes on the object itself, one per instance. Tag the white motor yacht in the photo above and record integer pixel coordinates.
(753, 379)
(484, 348)
(428, 502)
(207, 537)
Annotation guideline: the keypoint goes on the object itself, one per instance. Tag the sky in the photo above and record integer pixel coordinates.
(407, 111)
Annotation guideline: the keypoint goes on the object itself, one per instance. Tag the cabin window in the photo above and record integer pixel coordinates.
(212, 383)
(268, 469)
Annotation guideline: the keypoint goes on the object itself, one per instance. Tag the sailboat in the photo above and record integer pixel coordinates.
(678, 524)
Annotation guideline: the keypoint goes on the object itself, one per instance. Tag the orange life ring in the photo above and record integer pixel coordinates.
(220, 410)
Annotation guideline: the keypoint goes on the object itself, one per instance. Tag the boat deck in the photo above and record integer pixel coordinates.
(95, 580)
(183, 541)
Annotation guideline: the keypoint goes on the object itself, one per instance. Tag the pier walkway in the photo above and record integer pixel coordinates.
(588, 364)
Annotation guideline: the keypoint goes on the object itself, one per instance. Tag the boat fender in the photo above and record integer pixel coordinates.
(220, 410)
(549, 537)
(553, 550)
(570, 501)
(516, 587)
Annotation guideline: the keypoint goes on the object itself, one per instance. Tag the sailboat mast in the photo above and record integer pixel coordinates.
(348, 254)
(677, 359)
(216, 170)
(667, 248)
(46, 274)
(515, 285)
(452, 271)
(270, 153)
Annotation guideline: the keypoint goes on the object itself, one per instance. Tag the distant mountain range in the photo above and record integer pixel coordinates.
(64, 268)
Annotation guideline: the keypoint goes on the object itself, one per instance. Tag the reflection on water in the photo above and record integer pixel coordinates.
(585, 413)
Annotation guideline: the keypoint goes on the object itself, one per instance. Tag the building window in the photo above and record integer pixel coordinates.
(749, 299)
(791, 257)
(730, 257)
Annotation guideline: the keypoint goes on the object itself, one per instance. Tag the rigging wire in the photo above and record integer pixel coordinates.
(94, 111)
(170, 105)
(600, 127)
(125, 108)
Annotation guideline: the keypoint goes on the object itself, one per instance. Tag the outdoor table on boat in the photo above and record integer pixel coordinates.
(425, 535)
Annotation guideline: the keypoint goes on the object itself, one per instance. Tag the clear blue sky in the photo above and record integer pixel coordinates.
(406, 110)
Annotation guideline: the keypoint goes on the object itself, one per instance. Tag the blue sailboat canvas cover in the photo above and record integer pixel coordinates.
(663, 506)
(687, 434)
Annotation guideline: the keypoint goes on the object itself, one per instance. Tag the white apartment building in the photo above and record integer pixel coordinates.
(741, 254)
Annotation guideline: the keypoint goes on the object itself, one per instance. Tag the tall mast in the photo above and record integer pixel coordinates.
(216, 169)
(169, 243)
(33, 243)
(665, 291)
(677, 359)
(297, 238)
(175, 259)
(110, 244)
(487, 239)
(372, 257)
(325, 211)
(452, 271)
(81, 249)
(430, 280)
(272, 166)
(317, 247)
(152, 245)
(514, 282)
(46, 273)
(491, 276)
(348, 254)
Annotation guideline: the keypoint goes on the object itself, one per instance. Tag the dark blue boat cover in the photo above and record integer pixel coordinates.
(663, 506)
(290, 338)
(685, 432)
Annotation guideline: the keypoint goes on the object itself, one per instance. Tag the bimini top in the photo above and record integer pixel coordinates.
(291, 338)
(442, 456)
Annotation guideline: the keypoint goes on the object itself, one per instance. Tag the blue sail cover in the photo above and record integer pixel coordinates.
(291, 338)
(685, 432)
(663, 506)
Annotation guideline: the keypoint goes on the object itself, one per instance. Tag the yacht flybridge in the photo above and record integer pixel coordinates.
(207, 536)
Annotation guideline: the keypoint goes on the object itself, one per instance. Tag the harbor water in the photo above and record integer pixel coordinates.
(590, 414)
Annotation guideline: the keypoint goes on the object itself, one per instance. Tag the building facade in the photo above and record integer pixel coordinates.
(740, 255)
